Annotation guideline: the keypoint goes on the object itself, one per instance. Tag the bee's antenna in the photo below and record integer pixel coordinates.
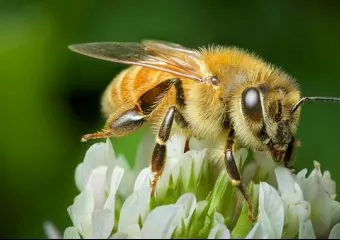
(323, 99)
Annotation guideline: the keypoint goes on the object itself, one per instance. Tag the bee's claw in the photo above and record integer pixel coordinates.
(84, 138)
(251, 215)
(154, 183)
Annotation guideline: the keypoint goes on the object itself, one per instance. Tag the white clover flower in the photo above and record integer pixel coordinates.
(92, 212)
(194, 198)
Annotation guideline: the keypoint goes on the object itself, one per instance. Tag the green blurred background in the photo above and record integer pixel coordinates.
(50, 96)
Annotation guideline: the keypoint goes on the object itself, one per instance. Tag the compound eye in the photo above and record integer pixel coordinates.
(251, 103)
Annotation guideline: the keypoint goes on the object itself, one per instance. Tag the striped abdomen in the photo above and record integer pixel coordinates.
(128, 86)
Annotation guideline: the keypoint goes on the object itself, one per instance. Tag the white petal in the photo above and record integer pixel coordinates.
(218, 218)
(292, 196)
(193, 158)
(143, 179)
(120, 235)
(175, 146)
(95, 156)
(102, 222)
(335, 232)
(162, 184)
(290, 191)
(271, 211)
(320, 197)
(130, 232)
(306, 230)
(266, 167)
(335, 212)
(112, 161)
(188, 200)
(116, 177)
(308, 185)
(144, 150)
(321, 212)
(81, 213)
(81, 176)
(162, 221)
(302, 174)
(220, 231)
(181, 165)
(291, 221)
(96, 186)
(258, 232)
(51, 230)
(135, 207)
(71, 233)
(127, 183)
(328, 183)
(198, 157)
(196, 144)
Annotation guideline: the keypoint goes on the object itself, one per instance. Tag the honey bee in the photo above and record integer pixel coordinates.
(221, 93)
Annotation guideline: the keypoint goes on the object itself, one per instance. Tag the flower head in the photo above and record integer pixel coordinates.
(195, 199)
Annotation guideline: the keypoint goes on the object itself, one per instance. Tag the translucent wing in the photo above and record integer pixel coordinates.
(167, 57)
(169, 47)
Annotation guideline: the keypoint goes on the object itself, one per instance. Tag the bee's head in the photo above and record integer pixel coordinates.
(263, 117)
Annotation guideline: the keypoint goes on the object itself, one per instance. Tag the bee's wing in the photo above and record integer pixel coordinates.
(169, 47)
(162, 56)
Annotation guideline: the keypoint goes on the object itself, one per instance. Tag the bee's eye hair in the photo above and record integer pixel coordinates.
(251, 103)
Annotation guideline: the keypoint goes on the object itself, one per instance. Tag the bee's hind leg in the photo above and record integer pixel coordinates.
(120, 123)
(132, 117)
(100, 134)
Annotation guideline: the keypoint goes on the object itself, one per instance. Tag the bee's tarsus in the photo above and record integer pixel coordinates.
(153, 184)
(186, 146)
(103, 134)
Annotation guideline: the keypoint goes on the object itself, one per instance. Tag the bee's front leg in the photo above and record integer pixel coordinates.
(288, 155)
(235, 175)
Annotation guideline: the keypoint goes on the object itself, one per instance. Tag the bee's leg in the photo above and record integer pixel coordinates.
(132, 117)
(99, 134)
(179, 94)
(288, 155)
(159, 152)
(186, 146)
(185, 125)
(234, 173)
(120, 124)
(180, 100)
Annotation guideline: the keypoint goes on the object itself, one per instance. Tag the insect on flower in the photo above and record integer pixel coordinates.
(219, 93)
